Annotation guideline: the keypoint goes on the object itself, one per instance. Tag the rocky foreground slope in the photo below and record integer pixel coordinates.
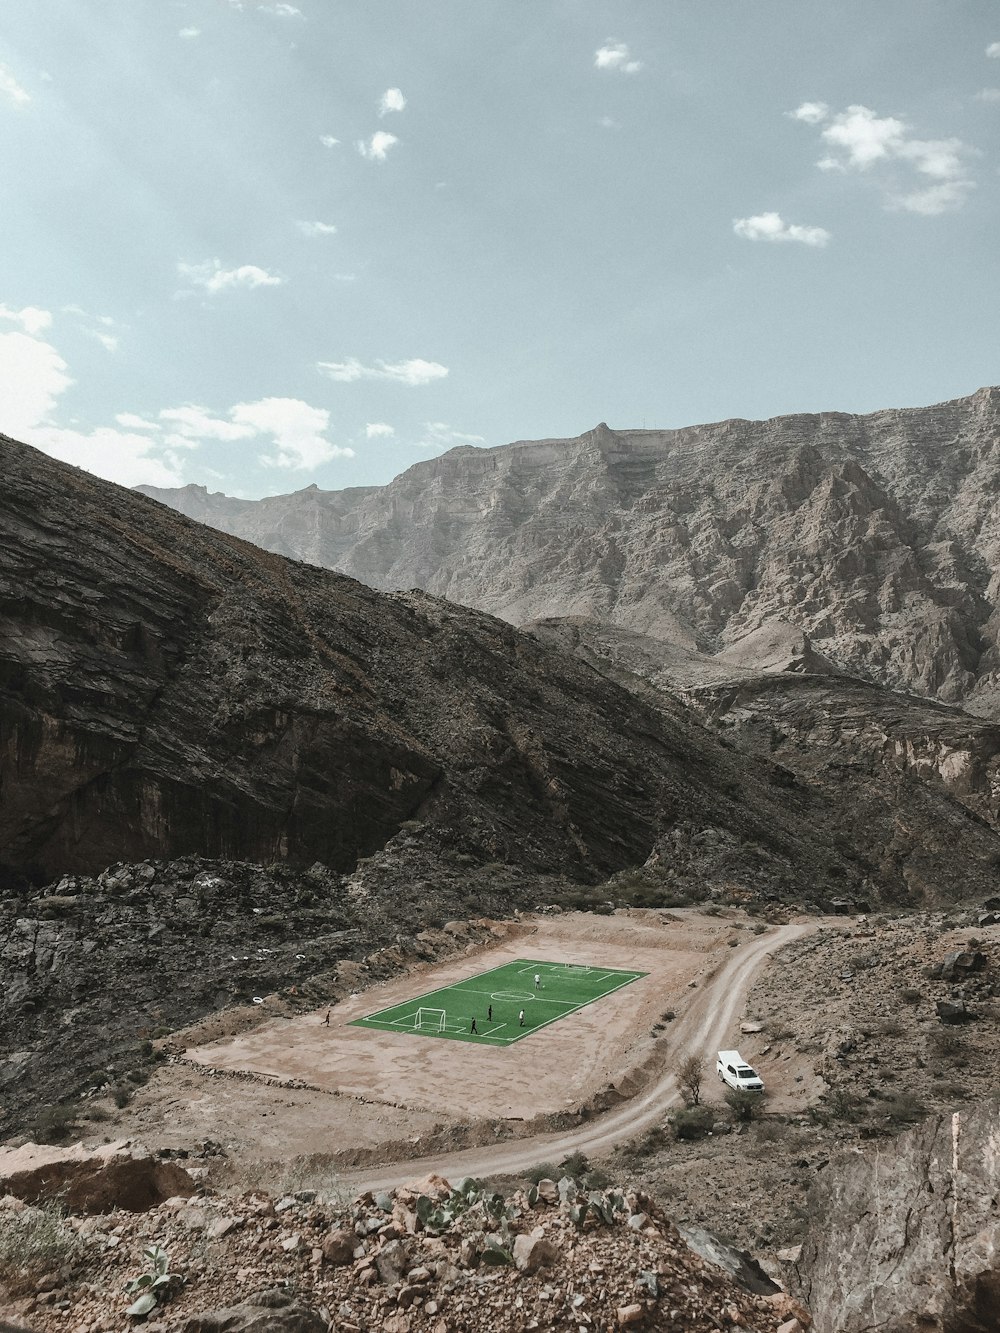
(878, 535)
(426, 1259)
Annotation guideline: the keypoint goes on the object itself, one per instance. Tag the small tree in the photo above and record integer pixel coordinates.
(689, 1077)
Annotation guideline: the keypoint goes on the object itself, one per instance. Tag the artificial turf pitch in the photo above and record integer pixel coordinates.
(565, 987)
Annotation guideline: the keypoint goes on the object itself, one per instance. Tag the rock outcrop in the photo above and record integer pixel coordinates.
(92, 1180)
(877, 536)
(905, 1234)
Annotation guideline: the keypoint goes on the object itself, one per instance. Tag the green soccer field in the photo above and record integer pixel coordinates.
(496, 1000)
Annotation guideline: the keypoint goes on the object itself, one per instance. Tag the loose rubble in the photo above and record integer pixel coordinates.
(428, 1258)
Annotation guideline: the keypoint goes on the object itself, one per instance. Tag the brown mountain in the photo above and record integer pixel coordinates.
(166, 690)
(877, 536)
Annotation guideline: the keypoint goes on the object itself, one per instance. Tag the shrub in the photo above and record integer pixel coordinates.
(843, 1104)
(575, 1165)
(903, 1108)
(121, 1096)
(770, 1131)
(744, 1105)
(544, 1171)
(55, 1123)
(946, 1041)
(692, 1123)
(34, 1241)
(910, 995)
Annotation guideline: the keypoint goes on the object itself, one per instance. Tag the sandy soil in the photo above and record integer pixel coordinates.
(377, 1097)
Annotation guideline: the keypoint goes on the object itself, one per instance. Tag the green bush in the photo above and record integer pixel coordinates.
(903, 1108)
(55, 1123)
(34, 1241)
(744, 1105)
(694, 1122)
(544, 1171)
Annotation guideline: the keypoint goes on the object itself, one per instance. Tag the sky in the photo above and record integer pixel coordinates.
(256, 246)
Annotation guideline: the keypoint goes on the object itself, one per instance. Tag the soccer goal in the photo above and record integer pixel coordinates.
(430, 1020)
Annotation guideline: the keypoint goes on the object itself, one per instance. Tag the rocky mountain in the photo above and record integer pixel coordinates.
(877, 536)
(168, 690)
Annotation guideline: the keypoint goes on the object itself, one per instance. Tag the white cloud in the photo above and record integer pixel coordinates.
(197, 423)
(113, 454)
(11, 89)
(865, 137)
(930, 202)
(993, 50)
(861, 140)
(134, 422)
(31, 319)
(391, 100)
(810, 112)
(770, 227)
(988, 95)
(281, 11)
(413, 373)
(298, 431)
(316, 228)
(214, 278)
(376, 149)
(32, 376)
(439, 435)
(379, 430)
(616, 55)
(107, 340)
(188, 33)
(328, 141)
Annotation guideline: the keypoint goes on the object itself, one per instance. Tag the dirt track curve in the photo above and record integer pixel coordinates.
(705, 1026)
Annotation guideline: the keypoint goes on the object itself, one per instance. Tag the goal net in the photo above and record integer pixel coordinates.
(430, 1020)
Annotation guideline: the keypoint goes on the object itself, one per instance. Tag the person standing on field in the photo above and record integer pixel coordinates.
(538, 981)
(474, 1028)
(520, 1019)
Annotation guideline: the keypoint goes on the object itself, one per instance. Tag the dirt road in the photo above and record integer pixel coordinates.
(708, 1024)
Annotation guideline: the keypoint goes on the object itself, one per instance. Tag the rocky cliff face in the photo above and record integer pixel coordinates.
(878, 536)
(905, 1233)
(167, 690)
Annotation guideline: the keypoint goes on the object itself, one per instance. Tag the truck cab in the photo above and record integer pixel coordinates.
(736, 1073)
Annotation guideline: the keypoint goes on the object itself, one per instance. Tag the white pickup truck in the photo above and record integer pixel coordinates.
(734, 1071)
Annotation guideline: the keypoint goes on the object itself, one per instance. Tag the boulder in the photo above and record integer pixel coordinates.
(338, 1246)
(267, 1312)
(740, 1265)
(532, 1251)
(392, 1261)
(954, 1011)
(961, 963)
(92, 1180)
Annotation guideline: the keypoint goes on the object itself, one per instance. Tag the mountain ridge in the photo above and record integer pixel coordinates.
(877, 535)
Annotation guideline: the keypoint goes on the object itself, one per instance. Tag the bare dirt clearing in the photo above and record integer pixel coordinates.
(562, 1066)
(377, 1097)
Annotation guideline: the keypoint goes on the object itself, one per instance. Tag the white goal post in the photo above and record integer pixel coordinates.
(430, 1020)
